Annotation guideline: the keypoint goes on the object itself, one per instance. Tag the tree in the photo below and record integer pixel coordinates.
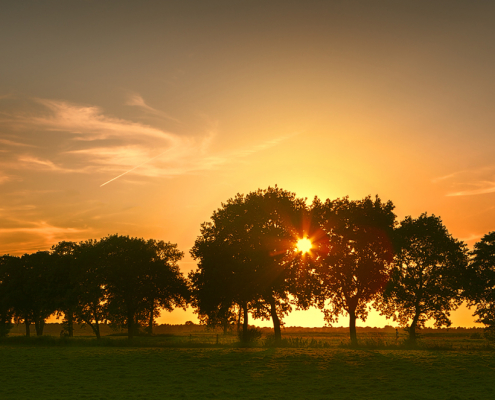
(246, 258)
(353, 247)
(6, 309)
(426, 279)
(220, 283)
(480, 290)
(140, 276)
(166, 287)
(66, 282)
(32, 291)
(90, 290)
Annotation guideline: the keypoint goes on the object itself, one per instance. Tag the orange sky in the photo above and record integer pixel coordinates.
(195, 101)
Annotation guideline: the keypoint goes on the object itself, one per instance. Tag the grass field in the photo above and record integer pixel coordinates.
(455, 364)
(60, 372)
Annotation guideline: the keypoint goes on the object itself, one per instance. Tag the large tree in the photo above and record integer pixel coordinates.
(480, 287)
(140, 276)
(426, 280)
(246, 258)
(352, 243)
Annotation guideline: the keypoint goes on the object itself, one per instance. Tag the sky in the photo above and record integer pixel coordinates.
(141, 118)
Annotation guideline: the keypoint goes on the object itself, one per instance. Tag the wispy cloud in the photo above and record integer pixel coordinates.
(469, 182)
(32, 236)
(89, 123)
(85, 139)
(138, 101)
(482, 188)
(27, 162)
(7, 142)
(471, 238)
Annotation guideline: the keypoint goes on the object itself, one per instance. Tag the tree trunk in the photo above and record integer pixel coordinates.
(39, 324)
(414, 323)
(226, 326)
(239, 319)
(70, 322)
(412, 329)
(245, 322)
(96, 325)
(150, 323)
(352, 327)
(27, 322)
(276, 320)
(96, 329)
(130, 325)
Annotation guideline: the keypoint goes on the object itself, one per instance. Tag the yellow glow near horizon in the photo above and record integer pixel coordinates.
(304, 245)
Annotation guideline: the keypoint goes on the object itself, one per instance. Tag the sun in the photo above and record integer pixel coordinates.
(304, 245)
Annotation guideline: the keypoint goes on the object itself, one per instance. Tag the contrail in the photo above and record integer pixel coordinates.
(132, 169)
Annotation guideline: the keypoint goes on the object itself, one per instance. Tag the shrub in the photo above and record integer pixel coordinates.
(490, 333)
(251, 336)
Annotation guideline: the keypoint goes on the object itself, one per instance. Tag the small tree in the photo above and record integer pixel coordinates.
(426, 280)
(354, 252)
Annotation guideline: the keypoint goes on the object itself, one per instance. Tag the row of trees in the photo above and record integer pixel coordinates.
(249, 264)
(361, 256)
(121, 280)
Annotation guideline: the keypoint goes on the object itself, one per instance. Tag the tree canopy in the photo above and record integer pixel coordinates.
(480, 289)
(246, 257)
(426, 279)
(354, 251)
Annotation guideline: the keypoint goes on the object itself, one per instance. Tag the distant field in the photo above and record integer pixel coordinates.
(50, 372)
(184, 335)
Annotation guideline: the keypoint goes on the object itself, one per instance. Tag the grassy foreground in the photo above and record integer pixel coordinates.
(271, 373)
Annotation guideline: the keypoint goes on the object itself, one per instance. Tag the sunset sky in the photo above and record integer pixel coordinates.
(140, 118)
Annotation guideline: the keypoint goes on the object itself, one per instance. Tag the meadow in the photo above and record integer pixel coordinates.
(193, 366)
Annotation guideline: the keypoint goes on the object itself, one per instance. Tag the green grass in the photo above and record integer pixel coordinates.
(60, 372)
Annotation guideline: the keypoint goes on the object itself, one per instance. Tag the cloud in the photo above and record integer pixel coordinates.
(138, 101)
(4, 178)
(470, 182)
(30, 162)
(32, 236)
(83, 139)
(483, 188)
(89, 123)
(12, 143)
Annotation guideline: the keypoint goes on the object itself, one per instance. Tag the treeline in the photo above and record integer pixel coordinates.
(118, 280)
(249, 263)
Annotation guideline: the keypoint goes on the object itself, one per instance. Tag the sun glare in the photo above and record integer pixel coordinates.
(304, 245)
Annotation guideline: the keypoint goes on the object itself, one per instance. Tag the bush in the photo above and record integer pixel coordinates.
(251, 336)
(490, 333)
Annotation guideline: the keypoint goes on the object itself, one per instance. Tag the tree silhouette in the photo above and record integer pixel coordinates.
(140, 276)
(66, 281)
(354, 252)
(246, 258)
(6, 308)
(33, 291)
(480, 289)
(91, 290)
(165, 286)
(426, 280)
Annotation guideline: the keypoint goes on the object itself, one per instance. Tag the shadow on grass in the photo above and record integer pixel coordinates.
(380, 344)
(164, 341)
